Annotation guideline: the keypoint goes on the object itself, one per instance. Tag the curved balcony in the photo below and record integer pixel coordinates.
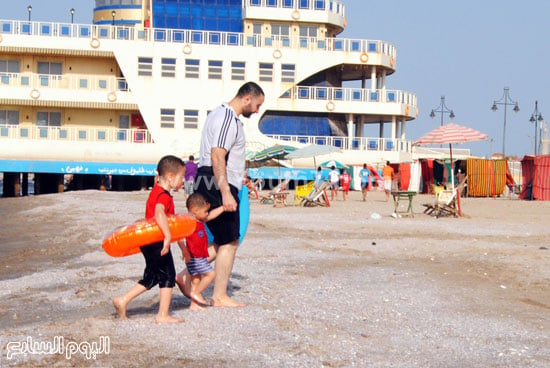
(378, 102)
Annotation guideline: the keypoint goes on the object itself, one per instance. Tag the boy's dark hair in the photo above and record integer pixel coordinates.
(196, 200)
(169, 164)
(250, 88)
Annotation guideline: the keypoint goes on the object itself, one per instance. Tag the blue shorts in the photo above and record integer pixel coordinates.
(198, 266)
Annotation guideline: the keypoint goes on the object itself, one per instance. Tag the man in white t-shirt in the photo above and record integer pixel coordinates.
(334, 179)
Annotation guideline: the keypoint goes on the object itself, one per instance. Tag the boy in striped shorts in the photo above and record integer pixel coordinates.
(195, 249)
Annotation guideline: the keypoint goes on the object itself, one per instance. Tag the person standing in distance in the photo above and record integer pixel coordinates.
(219, 179)
(190, 173)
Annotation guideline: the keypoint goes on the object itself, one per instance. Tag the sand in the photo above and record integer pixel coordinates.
(325, 287)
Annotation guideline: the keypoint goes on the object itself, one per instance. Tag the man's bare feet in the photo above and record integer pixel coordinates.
(168, 319)
(183, 280)
(119, 303)
(226, 301)
(198, 298)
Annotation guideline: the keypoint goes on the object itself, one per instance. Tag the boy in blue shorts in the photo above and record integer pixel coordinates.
(195, 249)
(159, 264)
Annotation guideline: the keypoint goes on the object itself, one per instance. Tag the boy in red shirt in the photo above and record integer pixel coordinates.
(195, 249)
(159, 264)
(345, 179)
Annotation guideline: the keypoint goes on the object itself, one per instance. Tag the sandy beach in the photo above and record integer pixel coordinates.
(325, 287)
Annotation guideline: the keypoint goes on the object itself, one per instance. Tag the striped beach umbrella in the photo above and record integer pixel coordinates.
(273, 152)
(448, 134)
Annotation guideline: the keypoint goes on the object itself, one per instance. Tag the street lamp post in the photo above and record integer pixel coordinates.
(29, 9)
(113, 13)
(536, 117)
(72, 15)
(442, 108)
(505, 100)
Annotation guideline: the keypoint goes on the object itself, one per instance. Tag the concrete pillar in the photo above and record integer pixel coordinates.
(373, 79)
(381, 130)
(393, 127)
(351, 130)
(403, 126)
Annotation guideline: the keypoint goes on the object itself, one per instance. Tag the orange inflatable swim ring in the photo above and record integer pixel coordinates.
(127, 240)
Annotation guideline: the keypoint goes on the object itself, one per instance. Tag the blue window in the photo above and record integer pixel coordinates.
(373, 145)
(83, 83)
(63, 134)
(233, 39)
(84, 32)
(26, 28)
(304, 4)
(374, 96)
(255, 2)
(320, 4)
(65, 30)
(177, 36)
(271, 3)
(372, 47)
(196, 37)
(160, 35)
(6, 27)
(389, 145)
(4, 131)
(288, 3)
(101, 135)
(103, 33)
(25, 81)
(82, 134)
(215, 38)
(391, 96)
(338, 94)
(24, 132)
(338, 45)
(321, 93)
(45, 29)
(356, 95)
(355, 46)
(303, 92)
(102, 84)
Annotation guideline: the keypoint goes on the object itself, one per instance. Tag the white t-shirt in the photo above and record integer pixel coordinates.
(223, 129)
(333, 176)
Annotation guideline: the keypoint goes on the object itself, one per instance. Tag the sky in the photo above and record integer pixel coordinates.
(467, 51)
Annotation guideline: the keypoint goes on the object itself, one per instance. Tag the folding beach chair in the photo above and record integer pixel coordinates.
(317, 197)
(444, 205)
(274, 194)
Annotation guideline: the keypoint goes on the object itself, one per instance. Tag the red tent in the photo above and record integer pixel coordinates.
(536, 177)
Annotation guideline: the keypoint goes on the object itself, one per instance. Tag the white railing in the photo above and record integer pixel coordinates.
(73, 81)
(110, 32)
(350, 144)
(75, 134)
(333, 6)
(351, 94)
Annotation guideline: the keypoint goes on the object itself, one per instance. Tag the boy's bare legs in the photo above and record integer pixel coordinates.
(198, 285)
(183, 279)
(163, 315)
(121, 302)
(225, 258)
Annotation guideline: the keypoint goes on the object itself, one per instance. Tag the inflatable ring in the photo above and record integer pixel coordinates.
(330, 106)
(128, 239)
(187, 49)
(296, 14)
(407, 110)
(277, 54)
(364, 57)
(35, 94)
(94, 43)
(392, 62)
(244, 215)
(111, 96)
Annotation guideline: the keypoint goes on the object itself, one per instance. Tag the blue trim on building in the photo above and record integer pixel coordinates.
(78, 167)
(269, 172)
(115, 7)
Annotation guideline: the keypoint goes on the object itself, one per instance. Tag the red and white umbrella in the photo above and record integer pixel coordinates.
(451, 133)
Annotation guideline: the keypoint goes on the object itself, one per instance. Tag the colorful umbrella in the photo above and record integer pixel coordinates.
(312, 150)
(274, 152)
(451, 133)
(334, 163)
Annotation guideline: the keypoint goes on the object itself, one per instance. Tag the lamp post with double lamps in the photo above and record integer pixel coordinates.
(536, 117)
(505, 100)
(443, 109)
(29, 10)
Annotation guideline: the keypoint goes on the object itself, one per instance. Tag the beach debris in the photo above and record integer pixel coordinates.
(375, 216)
(373, 243)
(502, 286)
(543, 248)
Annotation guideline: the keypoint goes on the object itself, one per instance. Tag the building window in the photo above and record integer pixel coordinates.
(190, 119)
(9, 117)
(255, 2)
(282, 32)
(266, 72)
(288, 72)
(83, 83)
(237, 70)
(8, 69)
(319, 4)
(123, 126)
(48, 119)
(168, 68)
(192, 68)
(308, 31)
(167, 118)
(271, 3)
(145, 66)
(48, 71)
(215, 69)
(303, 4)
(288, 3)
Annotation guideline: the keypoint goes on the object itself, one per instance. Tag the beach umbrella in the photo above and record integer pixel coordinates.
(331, 163)
(274, 152)
(312, 150)
(449, 134)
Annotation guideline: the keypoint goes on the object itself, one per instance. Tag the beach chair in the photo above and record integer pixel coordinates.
(317, 197)
(275, 193)
(302, 191)
(444, 205)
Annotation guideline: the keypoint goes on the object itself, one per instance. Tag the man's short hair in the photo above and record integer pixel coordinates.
(250, 88)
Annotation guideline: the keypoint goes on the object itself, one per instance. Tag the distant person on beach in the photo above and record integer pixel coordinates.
(195, 250)
(364, 174)
(345, 179)
(387, 174)
(318, 178)
(159, 264)
(219, 179)
(190, 174)
(334, 180)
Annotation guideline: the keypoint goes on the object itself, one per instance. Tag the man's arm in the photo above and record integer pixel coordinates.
(220, 172)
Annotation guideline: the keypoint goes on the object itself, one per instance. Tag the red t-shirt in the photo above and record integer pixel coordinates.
(197, 243)
(346, 180)
(159, 195)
